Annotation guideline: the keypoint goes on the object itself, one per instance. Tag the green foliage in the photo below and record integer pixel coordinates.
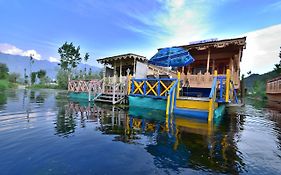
(45, 86)
(4, 84)
(62, 78)
(3, 71)
(259, 89)
(33, 77)
(277, 67)
(70, 56)
(25, 77)
(14, 77)
(41, 74)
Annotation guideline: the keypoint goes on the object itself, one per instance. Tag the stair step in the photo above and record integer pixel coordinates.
(101, 100)
(191, 103)
(202, 114)
(107, 97)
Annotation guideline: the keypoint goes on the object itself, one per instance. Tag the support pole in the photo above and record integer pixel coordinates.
(134, 74)
(178, 86)
(227, 84)
(103, 83)
(120, 72)
(208, 61)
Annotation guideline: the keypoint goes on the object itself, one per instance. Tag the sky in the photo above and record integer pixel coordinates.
(111, 27)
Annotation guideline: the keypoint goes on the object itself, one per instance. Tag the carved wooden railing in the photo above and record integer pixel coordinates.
(274, 86)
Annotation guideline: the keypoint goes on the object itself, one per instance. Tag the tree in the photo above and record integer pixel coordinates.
(62, 78)
(33, 77)
(13, 77)
(41, 74)
(25, 77)
(70, 56)
(278, 66)
(3, 71)
(31, 61)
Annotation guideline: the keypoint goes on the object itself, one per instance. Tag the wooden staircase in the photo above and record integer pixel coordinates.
(193, 106)
(112, 93)
(110, 98)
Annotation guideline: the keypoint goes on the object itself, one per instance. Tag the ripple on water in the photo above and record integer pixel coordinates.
(43, 133)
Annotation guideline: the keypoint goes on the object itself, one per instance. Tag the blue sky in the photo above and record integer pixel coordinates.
(110, 27)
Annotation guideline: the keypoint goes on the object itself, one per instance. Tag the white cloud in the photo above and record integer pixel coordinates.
(176, 23)
(262, 50)
(13, 50)
(53, 59)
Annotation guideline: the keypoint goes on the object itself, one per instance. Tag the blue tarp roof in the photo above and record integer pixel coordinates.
(172, 57)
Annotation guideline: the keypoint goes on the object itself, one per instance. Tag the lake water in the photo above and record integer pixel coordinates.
(42, 132)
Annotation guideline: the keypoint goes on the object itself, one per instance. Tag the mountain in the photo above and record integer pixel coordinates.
(261, 79)
(17, 64)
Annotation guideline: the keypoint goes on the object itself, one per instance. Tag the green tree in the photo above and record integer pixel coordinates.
(13, 77)
(31, 61)
(33, 77)
(41, 74)
(62, 78)
(70, 56)
(278, 66)
(3, 71)
(25, 77)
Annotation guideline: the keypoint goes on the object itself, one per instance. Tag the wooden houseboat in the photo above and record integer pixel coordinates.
(201, 89)
(273, 92)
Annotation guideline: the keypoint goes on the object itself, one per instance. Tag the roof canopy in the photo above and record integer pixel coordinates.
(127, 57)
(172, 56)
(216, 43)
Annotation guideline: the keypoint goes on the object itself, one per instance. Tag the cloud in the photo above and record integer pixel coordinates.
(175, 22)
(53, 59)
(262, 50)
(13, 50)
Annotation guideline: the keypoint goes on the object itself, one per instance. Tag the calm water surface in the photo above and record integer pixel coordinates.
(42, 132)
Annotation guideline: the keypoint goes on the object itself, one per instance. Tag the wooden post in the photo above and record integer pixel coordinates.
(120, 72)
(134, 67)
(114, 72)
(89, 94)
(113, 95)
(213, 67)
(227, 84)
(208, 61)
(242, 89)
(178, 86)
(129, 84)
(103, 83)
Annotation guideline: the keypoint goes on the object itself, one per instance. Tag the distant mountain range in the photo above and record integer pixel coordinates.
(17, 64)
(250, 80)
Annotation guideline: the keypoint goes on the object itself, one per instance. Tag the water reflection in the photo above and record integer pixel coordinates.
(173, 141)
(246, 139)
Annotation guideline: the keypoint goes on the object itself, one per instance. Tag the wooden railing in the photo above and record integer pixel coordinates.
(154, 88)
(274, 86)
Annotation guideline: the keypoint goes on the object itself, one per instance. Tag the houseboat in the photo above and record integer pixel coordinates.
(273, 92)
(201, 88)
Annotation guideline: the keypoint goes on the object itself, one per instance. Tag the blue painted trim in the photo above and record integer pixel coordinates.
(201, 114)
(144, 88)
(133, 87)
(151, 96)
(158, 88)
(213, 87)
